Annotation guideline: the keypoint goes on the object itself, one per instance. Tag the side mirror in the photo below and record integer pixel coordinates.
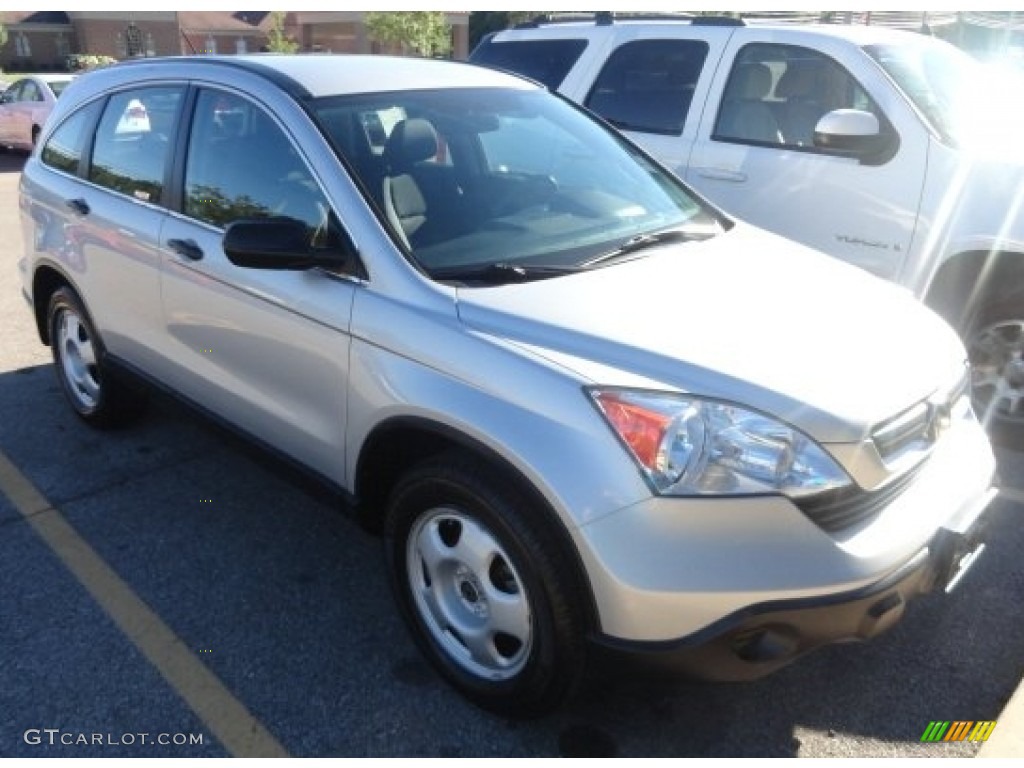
(856, 133)
(283, 243)
(5, 96)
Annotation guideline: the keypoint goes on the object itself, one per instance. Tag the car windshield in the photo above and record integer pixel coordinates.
(58, 86)
(511, 182)
(963, 100)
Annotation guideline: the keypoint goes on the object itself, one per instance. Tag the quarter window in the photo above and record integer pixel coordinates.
(647, 85)
(133, 142)
(64, 148)
(547, 61)
(242, 165)
(776, 94)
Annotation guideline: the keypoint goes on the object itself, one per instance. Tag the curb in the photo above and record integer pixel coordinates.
(1007, 739)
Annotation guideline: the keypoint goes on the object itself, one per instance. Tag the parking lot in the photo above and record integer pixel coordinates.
(178, 594)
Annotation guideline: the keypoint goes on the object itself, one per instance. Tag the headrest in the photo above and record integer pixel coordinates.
(410, 142)
(753, 81)
(799, 80)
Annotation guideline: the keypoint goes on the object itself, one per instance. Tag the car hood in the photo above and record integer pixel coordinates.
(746, 317)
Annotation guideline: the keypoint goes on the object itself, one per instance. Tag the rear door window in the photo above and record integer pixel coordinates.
(647, 85)
(133, 146)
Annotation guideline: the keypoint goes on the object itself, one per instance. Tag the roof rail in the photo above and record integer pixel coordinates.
(605, 18)
(718, 21)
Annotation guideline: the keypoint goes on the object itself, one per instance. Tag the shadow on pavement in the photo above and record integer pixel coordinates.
(292, 598)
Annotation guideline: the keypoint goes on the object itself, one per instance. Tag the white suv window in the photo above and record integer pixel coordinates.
(547, 61)
(647, 85)
(777, 93)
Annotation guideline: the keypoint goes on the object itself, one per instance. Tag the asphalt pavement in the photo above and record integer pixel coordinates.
(165, 580)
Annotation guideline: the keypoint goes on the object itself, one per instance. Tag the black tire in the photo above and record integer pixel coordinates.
(995, 346)
(95, 394)
(463, 501)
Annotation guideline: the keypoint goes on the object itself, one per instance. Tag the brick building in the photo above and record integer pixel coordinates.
(41, 40)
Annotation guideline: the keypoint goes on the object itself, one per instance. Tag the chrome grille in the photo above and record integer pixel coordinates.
(835, 510)
(918, 427)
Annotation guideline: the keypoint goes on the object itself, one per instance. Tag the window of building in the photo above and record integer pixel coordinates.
(241, 46)
(22, 47)
(133, 41)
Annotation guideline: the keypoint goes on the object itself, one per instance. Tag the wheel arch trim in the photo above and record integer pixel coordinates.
(450, 436)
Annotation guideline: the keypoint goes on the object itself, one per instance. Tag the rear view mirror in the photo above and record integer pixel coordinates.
(282, 243)
(855, 132)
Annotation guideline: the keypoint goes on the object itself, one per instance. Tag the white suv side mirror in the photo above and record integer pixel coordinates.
(847, 123)
(856, 133)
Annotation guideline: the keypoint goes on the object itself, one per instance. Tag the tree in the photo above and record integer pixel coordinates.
(3, 36)
(425, 32)
(482, 23)
(277, 40)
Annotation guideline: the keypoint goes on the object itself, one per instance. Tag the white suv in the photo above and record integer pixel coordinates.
(586, 408)
(890, 150)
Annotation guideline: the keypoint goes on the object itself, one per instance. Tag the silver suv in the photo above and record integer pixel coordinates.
(587, 410)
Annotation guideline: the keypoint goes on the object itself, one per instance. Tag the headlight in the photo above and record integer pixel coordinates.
(688, 446)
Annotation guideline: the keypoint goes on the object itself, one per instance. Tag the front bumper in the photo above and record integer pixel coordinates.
(759, 639)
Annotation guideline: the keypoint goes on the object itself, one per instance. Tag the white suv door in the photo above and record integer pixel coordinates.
(755, 153)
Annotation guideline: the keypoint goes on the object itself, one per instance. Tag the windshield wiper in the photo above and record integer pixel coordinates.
(649, 240)
(501, 273)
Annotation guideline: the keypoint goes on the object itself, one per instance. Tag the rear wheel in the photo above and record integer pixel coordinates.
(78, 357)
(995, 347)
(487, 595)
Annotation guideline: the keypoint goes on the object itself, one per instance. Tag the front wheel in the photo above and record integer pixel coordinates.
(486, 593)
(995, 347)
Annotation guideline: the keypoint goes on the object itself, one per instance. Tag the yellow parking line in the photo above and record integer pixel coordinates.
(226, 717)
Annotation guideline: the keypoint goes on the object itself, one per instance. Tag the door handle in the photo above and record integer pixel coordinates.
(720, 174)
(187, 248)
(78, 205)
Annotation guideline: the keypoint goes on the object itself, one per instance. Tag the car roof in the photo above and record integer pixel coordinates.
(53, 78)
(858, 34)
(332, 74)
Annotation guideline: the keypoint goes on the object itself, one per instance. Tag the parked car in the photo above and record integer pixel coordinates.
(587, 409)
(890, 150)
(24, 107)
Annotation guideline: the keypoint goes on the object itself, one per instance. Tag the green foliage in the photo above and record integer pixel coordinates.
(3, 36)
(277, 40)
(78, 62)
(424, 32)
(482, 23)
